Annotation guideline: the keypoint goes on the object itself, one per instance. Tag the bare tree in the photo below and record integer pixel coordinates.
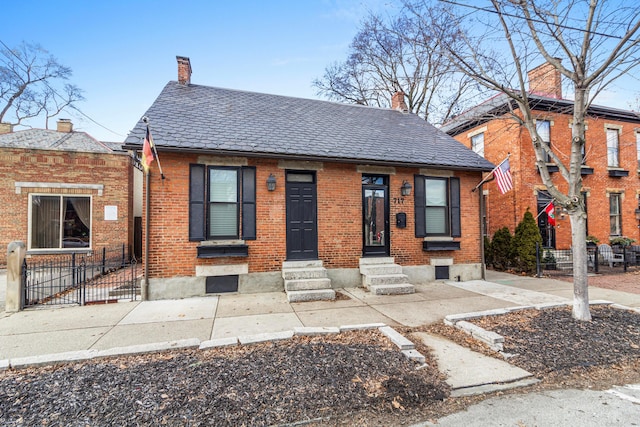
(591, 43)
(384, 58)
(30, 85)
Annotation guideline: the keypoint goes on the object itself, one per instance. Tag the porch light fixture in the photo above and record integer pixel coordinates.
(637, 211)
(405, 189)
(271, 182)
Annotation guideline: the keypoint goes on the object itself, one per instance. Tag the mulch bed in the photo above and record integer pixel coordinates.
(264, 384)
(356, 378)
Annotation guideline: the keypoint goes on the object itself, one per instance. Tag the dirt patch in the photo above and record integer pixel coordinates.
(266, 384)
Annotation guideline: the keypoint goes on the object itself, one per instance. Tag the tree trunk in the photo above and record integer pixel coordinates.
(579, 248)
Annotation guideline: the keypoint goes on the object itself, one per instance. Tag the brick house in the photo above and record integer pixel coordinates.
(63, 191)
(610, 171)
(265, 192)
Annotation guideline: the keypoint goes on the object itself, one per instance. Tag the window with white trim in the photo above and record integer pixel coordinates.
(613, 148)
(615, 214)
(59, 222)
(437, 206)
(543, 127)
(222, 203)
(477, 143)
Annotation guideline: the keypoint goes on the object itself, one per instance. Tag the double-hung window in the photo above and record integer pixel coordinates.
(613, 148)
(615, 214)
(543, 127)
(477, 143)
(437, 206)
(59, 222)
(222, 203)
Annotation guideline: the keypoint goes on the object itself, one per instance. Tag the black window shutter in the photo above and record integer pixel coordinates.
(197, 186)
(454, 191)
(249, 203)
(419, 202)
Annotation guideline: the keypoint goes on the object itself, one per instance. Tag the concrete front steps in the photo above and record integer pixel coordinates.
(306, 281)
(382, 276)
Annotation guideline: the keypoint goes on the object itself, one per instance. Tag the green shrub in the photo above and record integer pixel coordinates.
(524, 244)
(621, 241)
(501, 249)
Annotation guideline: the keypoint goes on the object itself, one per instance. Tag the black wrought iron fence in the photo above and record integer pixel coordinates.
(102, 276)
(604, 260)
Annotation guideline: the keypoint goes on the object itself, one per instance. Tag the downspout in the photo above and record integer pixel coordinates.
(483, 267)
(145, 283)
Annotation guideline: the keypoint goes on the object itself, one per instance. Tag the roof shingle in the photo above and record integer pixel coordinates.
(203, 118)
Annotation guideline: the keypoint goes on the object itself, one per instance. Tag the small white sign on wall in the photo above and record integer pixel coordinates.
(110, 213)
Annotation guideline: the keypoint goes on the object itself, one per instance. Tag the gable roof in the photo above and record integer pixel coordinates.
(502, 104)
(46, 139)
(195, 118)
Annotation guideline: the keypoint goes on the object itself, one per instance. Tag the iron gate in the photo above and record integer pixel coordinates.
(103, 276)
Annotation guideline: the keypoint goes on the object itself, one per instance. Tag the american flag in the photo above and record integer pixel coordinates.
(502, 174)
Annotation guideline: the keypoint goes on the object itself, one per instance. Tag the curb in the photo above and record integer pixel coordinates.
(404, 345)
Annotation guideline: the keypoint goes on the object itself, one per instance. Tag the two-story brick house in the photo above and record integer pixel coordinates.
(264, 192)
(63, 191)
(610, 173)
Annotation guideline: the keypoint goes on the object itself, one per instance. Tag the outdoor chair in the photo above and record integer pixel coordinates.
(608, 256)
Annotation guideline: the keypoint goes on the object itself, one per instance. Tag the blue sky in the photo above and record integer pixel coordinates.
(122, 53)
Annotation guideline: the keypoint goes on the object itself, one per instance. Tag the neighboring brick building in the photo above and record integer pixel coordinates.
(610, 174)
(336, 174)
(63, 191)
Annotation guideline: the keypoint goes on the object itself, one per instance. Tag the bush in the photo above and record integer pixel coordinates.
(621, 241)
(501, 249)
(524, 244)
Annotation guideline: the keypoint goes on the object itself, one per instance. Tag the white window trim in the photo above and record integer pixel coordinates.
(618, 129)
(58, 185)
(57, 250)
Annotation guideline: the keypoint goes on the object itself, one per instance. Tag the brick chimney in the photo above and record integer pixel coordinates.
(184, 70)
(6, 128)
(65, 125)
(545, 80)
(397, 102)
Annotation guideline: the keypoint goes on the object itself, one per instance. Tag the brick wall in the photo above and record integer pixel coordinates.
(339, 198)
(40, 166)
(503, 135)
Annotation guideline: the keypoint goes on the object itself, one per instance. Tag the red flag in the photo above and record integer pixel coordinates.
(551, 214)
(502, 174)
(147, 151)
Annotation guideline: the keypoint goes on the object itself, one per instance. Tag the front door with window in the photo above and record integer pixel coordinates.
(375, 215)
(302, 224)
(547, 230)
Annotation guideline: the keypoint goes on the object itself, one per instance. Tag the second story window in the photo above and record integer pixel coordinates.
(477, 143)
(543, 127)
(613, 148)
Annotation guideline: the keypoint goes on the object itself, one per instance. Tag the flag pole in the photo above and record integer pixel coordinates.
(491, 173)
(153, 145)
(544, 209)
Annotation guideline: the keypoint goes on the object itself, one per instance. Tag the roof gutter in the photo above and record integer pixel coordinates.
(299, 157)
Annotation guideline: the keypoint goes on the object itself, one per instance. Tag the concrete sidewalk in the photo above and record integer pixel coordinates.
(136, 326)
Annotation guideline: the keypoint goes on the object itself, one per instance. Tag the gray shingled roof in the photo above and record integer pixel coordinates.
(214, 120)
(45, 139)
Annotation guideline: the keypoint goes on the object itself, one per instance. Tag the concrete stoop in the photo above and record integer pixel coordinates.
(382, 276)
(306, 281)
